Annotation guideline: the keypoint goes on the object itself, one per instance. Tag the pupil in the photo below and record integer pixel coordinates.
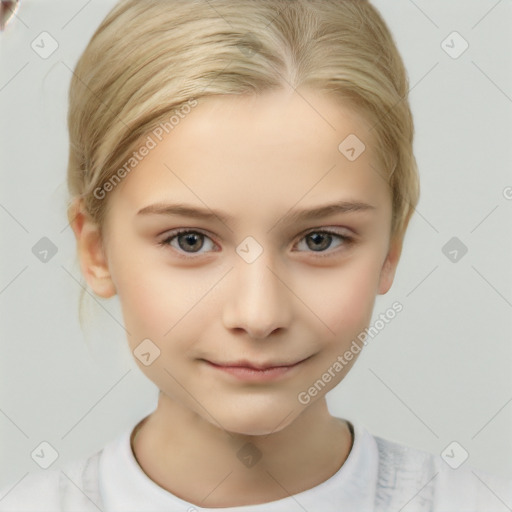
(191, 239)
(318, 238)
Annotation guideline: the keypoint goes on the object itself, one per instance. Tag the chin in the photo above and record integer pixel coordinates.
(257, 422)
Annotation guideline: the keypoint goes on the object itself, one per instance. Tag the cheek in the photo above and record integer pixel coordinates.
(139, 287)
(162, 303)
(343, 298)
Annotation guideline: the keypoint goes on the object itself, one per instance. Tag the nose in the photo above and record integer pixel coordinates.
(259, 301)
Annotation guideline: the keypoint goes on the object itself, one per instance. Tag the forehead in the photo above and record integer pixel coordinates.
(253, 152)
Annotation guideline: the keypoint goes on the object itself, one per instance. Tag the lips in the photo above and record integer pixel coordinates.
(256, 373)
(256, 366)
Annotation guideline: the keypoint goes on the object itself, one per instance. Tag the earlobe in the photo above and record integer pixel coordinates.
(388, 270)
(91, 253)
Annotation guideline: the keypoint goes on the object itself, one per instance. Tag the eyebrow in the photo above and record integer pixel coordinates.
(187, 210)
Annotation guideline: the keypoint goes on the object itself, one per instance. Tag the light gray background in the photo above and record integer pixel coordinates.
(439, 372)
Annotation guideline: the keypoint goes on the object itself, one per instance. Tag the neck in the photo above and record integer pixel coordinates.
(209, 467)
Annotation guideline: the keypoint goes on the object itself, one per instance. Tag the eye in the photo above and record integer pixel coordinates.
(188, 241)
(320, 240)
(191, 241)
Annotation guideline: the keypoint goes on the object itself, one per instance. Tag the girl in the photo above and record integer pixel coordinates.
(242, 177)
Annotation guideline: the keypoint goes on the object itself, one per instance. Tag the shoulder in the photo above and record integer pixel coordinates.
(425, 481)
(74, 484)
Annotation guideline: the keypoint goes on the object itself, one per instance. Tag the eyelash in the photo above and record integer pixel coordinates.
(346, 241)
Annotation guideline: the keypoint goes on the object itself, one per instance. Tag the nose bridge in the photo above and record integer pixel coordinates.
(259, 301)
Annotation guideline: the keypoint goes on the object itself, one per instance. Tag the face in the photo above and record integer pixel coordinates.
(239, 273)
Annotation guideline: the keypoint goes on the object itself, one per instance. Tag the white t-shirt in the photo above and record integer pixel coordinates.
(378, 475)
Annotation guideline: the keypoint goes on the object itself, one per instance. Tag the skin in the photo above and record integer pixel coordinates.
(254, 158)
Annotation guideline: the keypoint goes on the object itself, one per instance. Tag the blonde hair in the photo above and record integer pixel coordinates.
(149, 59)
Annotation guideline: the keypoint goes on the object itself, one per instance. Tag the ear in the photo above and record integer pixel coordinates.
(387, 273)
(90, 249)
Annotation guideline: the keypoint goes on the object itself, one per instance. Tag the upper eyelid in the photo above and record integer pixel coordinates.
(180, 231)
